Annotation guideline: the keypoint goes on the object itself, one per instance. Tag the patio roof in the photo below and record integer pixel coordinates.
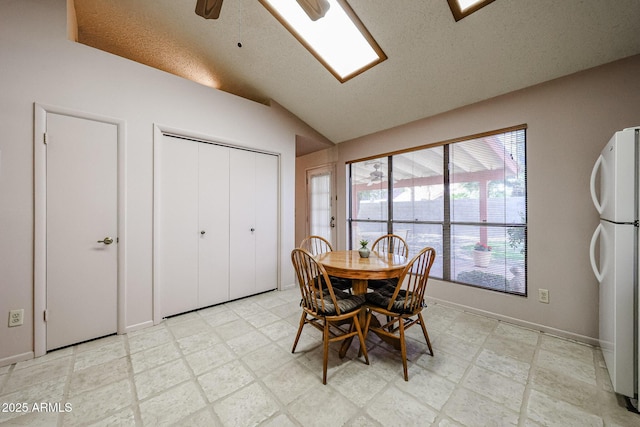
(478, 160)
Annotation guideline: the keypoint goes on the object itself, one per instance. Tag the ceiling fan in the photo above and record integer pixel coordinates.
(376, 175)
(210, 9)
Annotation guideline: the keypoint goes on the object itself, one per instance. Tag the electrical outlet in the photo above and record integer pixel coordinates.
(16, 317)
(543, 295)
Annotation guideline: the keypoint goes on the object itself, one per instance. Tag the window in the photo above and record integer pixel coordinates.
(467, 199)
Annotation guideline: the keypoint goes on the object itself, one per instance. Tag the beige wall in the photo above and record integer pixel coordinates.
(39, 64)
(569, 121)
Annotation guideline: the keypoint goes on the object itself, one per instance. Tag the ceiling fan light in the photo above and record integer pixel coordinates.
(208, 9)
(315, 9)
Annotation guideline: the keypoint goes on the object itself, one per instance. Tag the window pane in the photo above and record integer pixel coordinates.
(369, 187)
(320, 210)
(418, 185)
(420, 236)
(499, 264)
(369, 231)
(488, 179)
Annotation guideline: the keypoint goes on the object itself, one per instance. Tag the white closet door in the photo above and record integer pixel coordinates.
(179, 232)
(213, 264)
(266, 222)
(82, 206)
(242, 207)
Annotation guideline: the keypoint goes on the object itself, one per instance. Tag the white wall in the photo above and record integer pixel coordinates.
(39, 64)
(569, 121)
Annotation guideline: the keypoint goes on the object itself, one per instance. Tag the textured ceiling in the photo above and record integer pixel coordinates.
(435, 64)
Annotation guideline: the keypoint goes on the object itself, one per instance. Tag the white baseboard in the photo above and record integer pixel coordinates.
(523, 323)
(16, 358)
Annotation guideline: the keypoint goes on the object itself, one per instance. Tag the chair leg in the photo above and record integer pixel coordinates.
(367, 323)
(303, 320)
(403, 350)
(363, 347)
(325, 356)
(425, 333)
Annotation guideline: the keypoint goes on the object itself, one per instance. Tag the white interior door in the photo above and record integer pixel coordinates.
(266, 222)
(178, 226)
(213, 198)
(242, 224)
(81, 210)
(321, 215)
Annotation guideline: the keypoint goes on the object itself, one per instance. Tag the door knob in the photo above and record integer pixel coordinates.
(106, 241)
(202, 232)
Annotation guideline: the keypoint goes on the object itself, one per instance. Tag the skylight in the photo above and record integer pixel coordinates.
(338, 40)
(462, 8)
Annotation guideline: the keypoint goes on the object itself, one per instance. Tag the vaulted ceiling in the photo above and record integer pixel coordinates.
(434, 64)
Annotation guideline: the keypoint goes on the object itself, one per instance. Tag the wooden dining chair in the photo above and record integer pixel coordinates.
(402, 304)
(392, 244)
(324, 307)
(317, 245)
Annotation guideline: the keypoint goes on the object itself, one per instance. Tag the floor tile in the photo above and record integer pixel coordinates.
(396, 408)
(553, 412)
(96, 404)
(160, 378)
(172, 405)
(247, 407)
(322, 407)
(575, 368)
(225, 380)
(98, 376)
(472, 409)
(290, 381)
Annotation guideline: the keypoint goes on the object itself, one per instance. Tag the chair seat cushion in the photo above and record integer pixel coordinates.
(340, 283)
(382, 297)
(381, 283)
(346, 302)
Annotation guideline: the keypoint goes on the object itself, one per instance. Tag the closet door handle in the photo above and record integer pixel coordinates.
(106, 241)
(253, 229)
(202, 232)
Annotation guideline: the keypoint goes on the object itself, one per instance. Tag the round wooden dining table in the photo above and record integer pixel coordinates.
(350, 265)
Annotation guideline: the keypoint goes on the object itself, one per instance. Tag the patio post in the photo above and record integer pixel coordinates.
(483, 207)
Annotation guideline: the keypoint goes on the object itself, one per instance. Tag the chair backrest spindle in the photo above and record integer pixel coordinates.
(316, 245)
(392, 244)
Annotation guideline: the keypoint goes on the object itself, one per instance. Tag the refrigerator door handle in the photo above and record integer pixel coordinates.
(594, 172)
(592, 255)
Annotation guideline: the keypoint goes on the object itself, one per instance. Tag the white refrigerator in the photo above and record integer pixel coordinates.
(614, 256)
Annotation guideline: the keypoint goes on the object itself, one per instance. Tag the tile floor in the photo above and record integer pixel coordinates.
(231, 365)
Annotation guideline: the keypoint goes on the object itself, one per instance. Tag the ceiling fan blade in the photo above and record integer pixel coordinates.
(208, 9)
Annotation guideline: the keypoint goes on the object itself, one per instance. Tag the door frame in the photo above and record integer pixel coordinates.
(159, 130)
(40, 218)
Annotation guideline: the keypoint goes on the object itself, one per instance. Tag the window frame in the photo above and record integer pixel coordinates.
(447, 223)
